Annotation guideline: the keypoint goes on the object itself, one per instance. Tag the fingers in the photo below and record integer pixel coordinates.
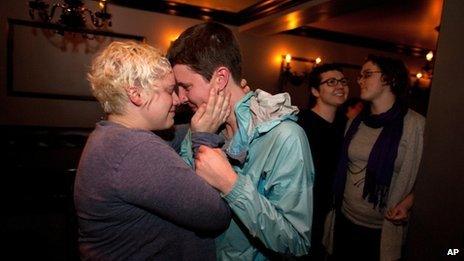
(214, 108)
(244, 86)
(225, 109)
(197, 116)
(391, 213)
(202, 150)
(220, 152)
(221, 99)
(243, 83)
(396, 216)
(210, 106)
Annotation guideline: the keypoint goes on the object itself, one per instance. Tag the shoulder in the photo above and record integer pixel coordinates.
(287, 134)
(307, 115)
(286, 129)
(124, 142)
(117, 141)
(413, 120)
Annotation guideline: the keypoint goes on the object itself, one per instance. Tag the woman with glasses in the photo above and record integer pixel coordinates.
(381, 152)
(328, 91)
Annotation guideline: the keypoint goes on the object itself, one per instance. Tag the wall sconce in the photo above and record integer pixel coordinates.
(294, 77)
(424, 76)
(73, 13)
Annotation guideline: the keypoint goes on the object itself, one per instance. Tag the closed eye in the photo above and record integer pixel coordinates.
(185, 86)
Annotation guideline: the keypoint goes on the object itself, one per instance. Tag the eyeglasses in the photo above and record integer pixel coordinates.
(332, 82)
(367, 74)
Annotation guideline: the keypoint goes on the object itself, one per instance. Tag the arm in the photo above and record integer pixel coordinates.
(204, 124)
(174, 136)
(402, 185)
(193, 141)
(154, 178)
(400, 213)
(279, 213)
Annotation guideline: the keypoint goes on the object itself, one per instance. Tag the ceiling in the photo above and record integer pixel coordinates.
(225, 5)
(406, 26)
(410, 22)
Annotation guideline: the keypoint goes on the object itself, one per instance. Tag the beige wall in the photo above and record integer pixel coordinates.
(261, 63)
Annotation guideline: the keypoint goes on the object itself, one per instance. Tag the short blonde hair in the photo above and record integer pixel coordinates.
(124, 64)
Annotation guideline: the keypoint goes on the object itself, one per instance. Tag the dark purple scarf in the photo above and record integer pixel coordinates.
(380, 165)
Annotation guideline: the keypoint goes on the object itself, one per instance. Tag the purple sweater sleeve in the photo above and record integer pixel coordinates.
(152, 176)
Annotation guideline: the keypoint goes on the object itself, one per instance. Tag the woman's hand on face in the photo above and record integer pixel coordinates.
(212, 165)
(210, 116)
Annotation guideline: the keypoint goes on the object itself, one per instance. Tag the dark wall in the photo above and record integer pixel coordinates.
(38, 169)
(437, 223)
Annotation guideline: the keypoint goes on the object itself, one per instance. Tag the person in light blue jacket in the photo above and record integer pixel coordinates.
(269, 181)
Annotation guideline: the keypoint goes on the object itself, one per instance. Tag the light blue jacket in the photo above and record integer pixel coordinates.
(272, 198)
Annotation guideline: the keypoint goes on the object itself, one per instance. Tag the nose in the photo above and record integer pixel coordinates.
(182, 95)
(175, 99)
(340, 85)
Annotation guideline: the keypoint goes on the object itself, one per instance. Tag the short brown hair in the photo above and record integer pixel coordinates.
(205, 47)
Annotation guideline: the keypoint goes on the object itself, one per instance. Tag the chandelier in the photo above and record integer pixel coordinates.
(73, 13)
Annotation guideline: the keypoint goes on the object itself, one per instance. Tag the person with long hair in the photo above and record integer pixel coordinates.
(381, 153)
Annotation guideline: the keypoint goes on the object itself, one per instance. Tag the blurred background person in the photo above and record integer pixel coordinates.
(328, 89)
(377, 169)
(352, 107)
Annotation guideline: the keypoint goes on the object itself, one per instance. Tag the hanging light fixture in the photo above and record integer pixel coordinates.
(73, 13)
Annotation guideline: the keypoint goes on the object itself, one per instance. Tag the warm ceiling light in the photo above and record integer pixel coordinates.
(429, 56)
(206, 17)
(318, 60)
(419, 75)
(292, 21)
(288, 58)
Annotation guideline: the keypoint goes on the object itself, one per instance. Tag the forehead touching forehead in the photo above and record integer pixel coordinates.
(168, 82)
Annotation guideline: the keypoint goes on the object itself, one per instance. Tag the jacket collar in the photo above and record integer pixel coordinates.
(257, 113)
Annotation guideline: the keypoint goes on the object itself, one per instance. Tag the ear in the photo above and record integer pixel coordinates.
(135, 95)
(221, 77)
(315, 92)
(385, 81)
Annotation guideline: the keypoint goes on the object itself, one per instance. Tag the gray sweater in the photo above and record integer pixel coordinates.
(402, 183)
(136, 199)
